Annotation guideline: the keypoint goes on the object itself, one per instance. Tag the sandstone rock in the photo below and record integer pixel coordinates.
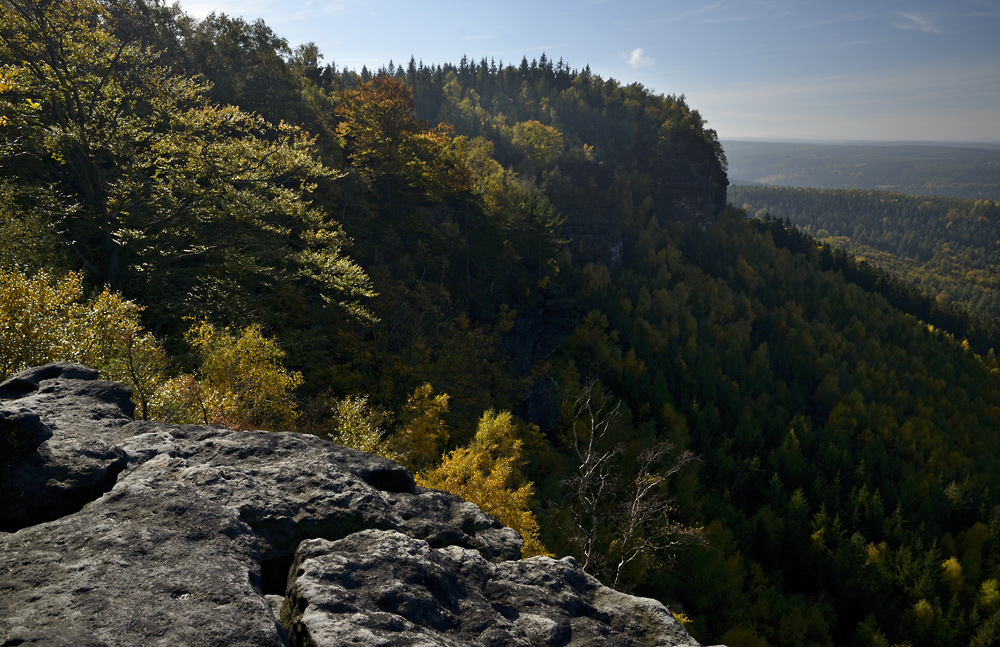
(380, 587)
(289, 487)
(139, 533)
(76, 463)
(150, 563)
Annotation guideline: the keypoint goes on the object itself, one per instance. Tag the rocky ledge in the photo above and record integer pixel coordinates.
(121, 532)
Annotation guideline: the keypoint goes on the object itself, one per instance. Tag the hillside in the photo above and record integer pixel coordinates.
(954, 171)
(522, 283)
(942, 247)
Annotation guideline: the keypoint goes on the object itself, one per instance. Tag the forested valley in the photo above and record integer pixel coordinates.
(944, 250)
(523, 282)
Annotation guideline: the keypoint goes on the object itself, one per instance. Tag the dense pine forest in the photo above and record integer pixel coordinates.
(521, 280)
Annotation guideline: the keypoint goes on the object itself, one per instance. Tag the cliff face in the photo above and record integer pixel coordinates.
(118, 532)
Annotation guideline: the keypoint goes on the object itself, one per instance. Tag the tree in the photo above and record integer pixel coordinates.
(155, 185)
(241, 383)
(357, 424)
(488, 473)
(423, 432)
(391, 147)
(621, 521)
(45, 319)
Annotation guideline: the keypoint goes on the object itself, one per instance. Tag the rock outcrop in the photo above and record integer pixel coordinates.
(122, 532)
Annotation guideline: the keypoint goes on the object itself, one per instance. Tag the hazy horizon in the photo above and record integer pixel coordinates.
(889, 70)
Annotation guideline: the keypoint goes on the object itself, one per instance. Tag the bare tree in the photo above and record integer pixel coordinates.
(617, 519)
(646, 526)
(593, 484)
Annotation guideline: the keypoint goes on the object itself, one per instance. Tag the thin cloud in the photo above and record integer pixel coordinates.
(913, 21)
(639, 59)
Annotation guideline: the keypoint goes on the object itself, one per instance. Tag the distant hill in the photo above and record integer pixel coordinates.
(955, 171)
(943, 247)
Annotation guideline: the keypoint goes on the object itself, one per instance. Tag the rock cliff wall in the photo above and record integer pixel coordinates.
(117, 532)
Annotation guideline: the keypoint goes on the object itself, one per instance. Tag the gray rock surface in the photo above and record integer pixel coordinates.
(150, 563)
(77, 462)
(117, 532)
(381, 587)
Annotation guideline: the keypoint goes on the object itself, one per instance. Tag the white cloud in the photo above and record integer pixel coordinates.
(913, 21)
(639, 59)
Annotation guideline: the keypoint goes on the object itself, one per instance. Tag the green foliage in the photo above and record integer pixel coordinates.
(942, 247)
(156, 189)
(848, 477)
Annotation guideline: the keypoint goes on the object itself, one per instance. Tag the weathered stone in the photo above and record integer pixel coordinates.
(138, 533)
(21, 433)
(76, 463)
(150, 563)
(289, 487)
(385, 588)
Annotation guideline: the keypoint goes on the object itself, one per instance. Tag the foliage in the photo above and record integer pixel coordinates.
(390, 146)
(942, 247)
(488, 473)
(847, 483)
(156, 189)
(241, 382)
(45, 319)
(357, 424)
(423, 430)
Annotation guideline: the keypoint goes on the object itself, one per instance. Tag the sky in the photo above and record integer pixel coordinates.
(840, 70)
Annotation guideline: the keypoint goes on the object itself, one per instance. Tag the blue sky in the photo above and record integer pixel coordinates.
(879, 70)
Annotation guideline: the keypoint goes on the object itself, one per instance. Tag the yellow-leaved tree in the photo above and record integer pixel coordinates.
(423, 432)
(241, 383)
(359, 425)
(44, 318)
(488, 473)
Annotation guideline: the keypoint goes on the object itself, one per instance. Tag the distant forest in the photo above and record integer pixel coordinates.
(946, 248)
(943, 170)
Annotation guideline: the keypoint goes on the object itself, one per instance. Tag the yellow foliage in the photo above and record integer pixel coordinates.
(44, 319)
(682, 618)
(951, 574)
(923, 611)
(487, 473)
(38, 318)
(423, 433)
(356, 424)
(241, 384)
(989, 596)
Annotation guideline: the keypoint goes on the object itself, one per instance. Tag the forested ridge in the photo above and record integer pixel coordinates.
(945, 248)
(522, 282)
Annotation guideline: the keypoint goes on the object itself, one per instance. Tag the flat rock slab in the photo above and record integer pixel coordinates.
(387, 589)
(289, 487)
(150, 563)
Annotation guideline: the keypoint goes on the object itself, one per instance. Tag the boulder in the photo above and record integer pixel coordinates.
(57, 419)
(122, 532)
(149, 563)
(381, 587)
